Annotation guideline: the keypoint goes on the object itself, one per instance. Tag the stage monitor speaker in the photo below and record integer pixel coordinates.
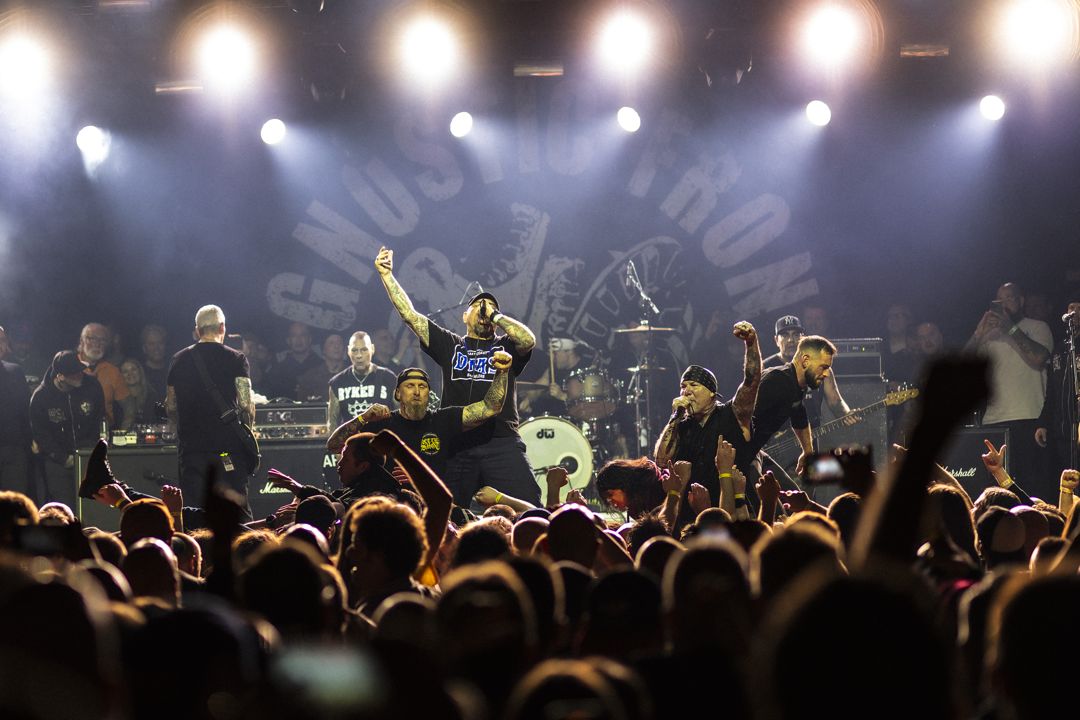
(146, 468)
(963, 457)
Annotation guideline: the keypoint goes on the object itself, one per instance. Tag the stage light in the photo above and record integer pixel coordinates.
(429, 50)
(94, 144)
(628, 118)
(461, 124)
(626, 41)
(831, 35)
(1040, 32)
(273, 131)
(226, 57)
(24, 65)
(818, 113)
(992, 107)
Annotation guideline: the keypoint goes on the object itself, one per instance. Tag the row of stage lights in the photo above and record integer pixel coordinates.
(94, 142)
(831, 35)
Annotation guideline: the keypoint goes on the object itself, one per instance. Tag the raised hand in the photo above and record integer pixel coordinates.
(487, 495)
(501, 360)
(111, 494)
(281, 480)
(768, 489)
(576, 498)
(744, 331)
(384, 261)
(993, 458)
(698, 498)
(378, 411)
(794, 500)
(557, 478)
(725, 456)
(1070, 479)
(173, 498)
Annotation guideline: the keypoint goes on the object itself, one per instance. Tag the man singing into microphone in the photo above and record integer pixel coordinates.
(492, 454)
(699, 419)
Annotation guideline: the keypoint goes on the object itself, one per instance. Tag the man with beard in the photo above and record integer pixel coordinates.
(780, 396)
(1018, 348)
(493, 453)
(432, 435)
(94, 341)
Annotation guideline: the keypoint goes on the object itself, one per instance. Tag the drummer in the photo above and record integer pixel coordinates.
(548, 395)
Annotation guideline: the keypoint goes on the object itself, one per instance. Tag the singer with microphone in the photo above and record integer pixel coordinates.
(700, 421)
(493, 453)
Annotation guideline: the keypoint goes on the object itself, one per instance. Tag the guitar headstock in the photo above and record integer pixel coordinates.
(901, 395)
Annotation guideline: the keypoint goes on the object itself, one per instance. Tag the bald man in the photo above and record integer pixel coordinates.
(359, 386)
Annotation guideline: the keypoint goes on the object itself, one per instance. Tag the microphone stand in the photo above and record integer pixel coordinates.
(461, 303)
(1072, 331)
(646, 306)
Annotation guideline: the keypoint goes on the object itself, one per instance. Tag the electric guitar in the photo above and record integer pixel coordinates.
(785, 448)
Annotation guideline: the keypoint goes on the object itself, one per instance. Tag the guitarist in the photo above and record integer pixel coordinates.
(780, 397)
(789, 331)
(204, 438)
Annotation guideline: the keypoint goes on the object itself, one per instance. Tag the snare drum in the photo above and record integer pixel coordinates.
(551, 441)
(591, 394)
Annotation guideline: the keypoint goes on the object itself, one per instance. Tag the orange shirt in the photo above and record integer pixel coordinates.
(112, 384)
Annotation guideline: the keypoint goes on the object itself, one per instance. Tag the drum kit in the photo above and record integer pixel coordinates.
(589, 433)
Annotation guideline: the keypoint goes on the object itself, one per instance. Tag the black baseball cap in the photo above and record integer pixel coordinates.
(787, 323)
(67, 362)
(412, 373)
(484, 296)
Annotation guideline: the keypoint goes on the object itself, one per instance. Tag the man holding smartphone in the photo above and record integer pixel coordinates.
(1018, 348)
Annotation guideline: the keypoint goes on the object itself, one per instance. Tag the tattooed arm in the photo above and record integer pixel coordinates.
(333, 412)
(336, 442)
(522, 337)
(244, 401)
(746, 395)
(477, 413)
(668, 442)
(384, 263)
(170, 407)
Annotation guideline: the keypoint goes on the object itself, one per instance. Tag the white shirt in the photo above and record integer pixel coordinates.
(1019, 390)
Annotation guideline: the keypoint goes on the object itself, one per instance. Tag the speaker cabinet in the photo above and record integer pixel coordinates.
(147, 467)
(963, 457)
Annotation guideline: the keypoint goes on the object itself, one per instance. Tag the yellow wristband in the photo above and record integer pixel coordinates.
(498, 497)
(673, 493)
(1066, 490)
(740, 496)
(1007, 482)
(724, 475)
(360, 419)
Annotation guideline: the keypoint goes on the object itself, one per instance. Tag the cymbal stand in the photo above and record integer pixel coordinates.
(646, 308)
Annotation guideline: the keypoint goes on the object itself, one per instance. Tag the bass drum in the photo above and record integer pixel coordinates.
(551, 441)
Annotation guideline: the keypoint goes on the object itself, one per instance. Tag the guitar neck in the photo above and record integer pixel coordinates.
(839, 422)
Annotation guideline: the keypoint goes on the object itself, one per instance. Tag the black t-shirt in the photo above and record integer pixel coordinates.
(779, 399)
(200, 428)
(468, 373)
(64, 421)
(355, 395)
(697, 445)
(434, 438)
(157, 378)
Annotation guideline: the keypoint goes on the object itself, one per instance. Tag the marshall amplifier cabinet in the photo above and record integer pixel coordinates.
(963, 457)
(858, 357)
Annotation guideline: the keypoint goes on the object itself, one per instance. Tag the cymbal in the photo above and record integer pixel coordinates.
(645, 367)
(644, 329)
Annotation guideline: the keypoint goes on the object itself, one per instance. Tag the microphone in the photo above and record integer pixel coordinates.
(628, 281)
(1068, 317)
(679, 414)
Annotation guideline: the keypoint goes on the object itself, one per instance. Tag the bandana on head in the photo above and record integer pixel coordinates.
(702, 376)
